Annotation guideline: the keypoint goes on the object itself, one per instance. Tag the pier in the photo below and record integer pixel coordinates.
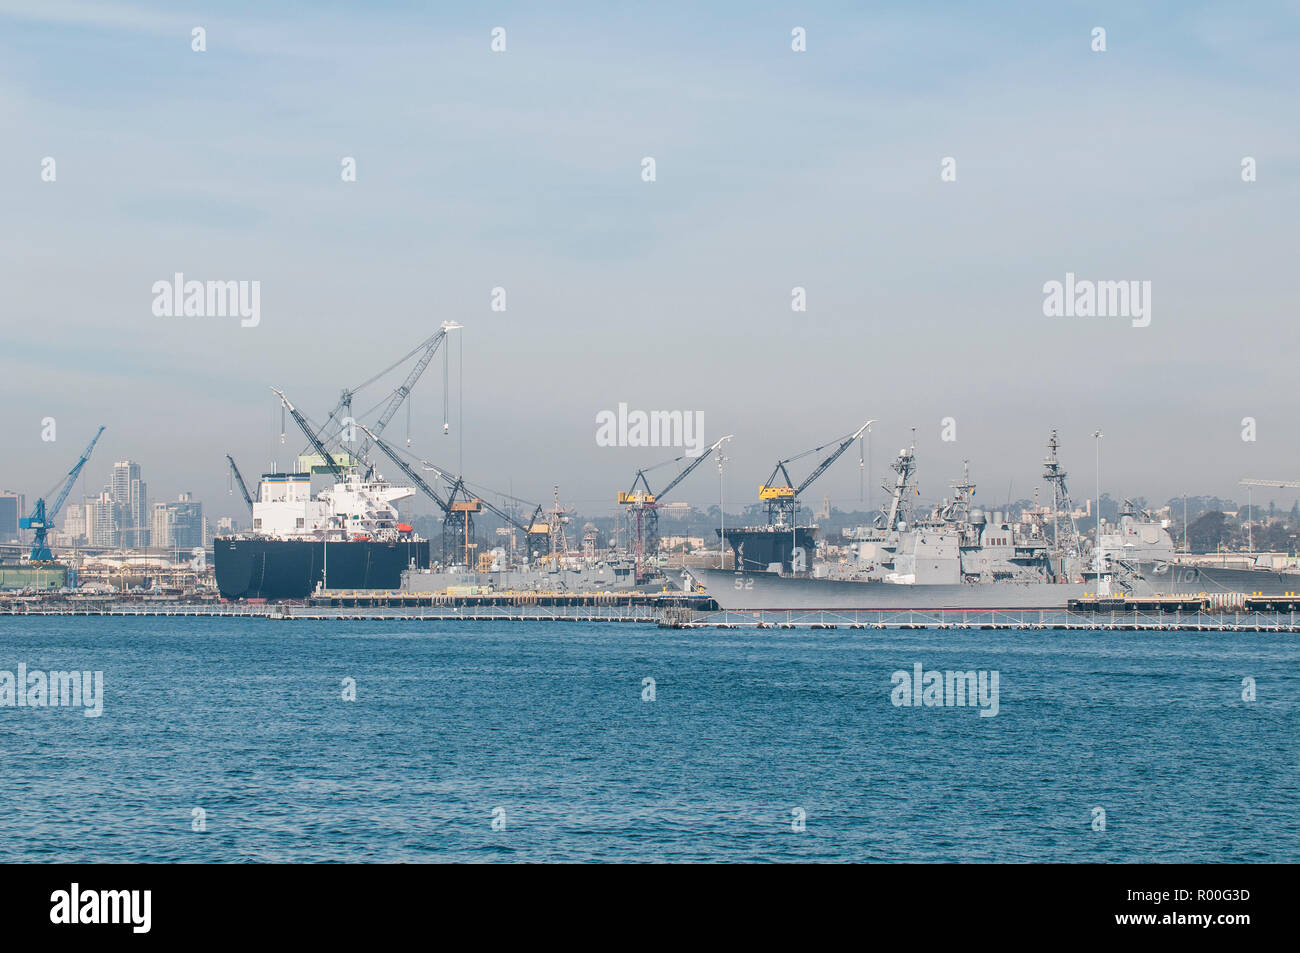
(1154, 618)
(698, 615)
(383, 605)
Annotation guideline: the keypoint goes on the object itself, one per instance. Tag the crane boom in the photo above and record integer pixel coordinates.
(42, 518)
(649, 496)
(404, 389)
(419, 481)
(344, 406)
(305, 427)
(239, 479)
(694, 463)
(502, 514)
(782, 499)
(1277, 483)
(826, 464)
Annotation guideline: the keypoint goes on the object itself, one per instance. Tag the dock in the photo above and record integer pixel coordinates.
(1151, 618)
(385, 605)
(686, 611)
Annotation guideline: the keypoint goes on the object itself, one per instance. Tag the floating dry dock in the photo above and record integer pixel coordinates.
(1163, 604)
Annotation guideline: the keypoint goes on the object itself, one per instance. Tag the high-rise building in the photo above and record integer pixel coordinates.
(102, 526)
(129, 491)
(74, 523)
(12, 507)
(160, 526)
(188, 524)
(179, 525)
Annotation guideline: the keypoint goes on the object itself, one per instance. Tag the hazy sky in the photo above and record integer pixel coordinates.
(775, 169)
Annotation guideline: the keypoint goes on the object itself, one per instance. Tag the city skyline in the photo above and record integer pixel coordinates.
(75, 511)
(122, 514)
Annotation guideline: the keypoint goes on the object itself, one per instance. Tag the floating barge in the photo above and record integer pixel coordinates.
(1175, 603)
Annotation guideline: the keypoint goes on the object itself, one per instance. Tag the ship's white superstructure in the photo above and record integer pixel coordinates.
(352, 508)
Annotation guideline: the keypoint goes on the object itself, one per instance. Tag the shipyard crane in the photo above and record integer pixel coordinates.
(643, 505)
(472, 503)
(239, 481)
(783, 499)
(426, 349)
(420, 483)
(305, 427)
(458, 507)
(42, 518)
(458, 530)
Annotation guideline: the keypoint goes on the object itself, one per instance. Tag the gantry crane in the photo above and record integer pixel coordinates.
(42, 518)
(458, 529)
(782, 499)
(461, 522)
(458, 507)
(239, 481)
(420, 482)
(643, 505)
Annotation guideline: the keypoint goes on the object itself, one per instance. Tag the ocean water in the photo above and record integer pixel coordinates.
(543, 728)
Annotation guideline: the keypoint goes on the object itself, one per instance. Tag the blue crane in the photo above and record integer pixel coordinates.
(42, 518)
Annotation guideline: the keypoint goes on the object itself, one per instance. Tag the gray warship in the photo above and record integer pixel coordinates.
(958, 556)
(1136, 549)
(611, 574)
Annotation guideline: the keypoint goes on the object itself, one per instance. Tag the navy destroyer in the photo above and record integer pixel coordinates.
(958, 556)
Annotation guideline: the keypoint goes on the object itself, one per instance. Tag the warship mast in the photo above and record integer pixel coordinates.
(1055, 476)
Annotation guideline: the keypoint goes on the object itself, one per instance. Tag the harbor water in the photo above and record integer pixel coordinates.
(235, 740)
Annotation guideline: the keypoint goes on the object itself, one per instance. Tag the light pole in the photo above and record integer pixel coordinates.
(864, 488)
(1097, 435)
(722, 513)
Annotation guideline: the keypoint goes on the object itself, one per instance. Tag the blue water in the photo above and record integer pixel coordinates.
(545, 721)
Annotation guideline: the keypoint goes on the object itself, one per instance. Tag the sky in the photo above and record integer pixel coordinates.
(774, 169)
